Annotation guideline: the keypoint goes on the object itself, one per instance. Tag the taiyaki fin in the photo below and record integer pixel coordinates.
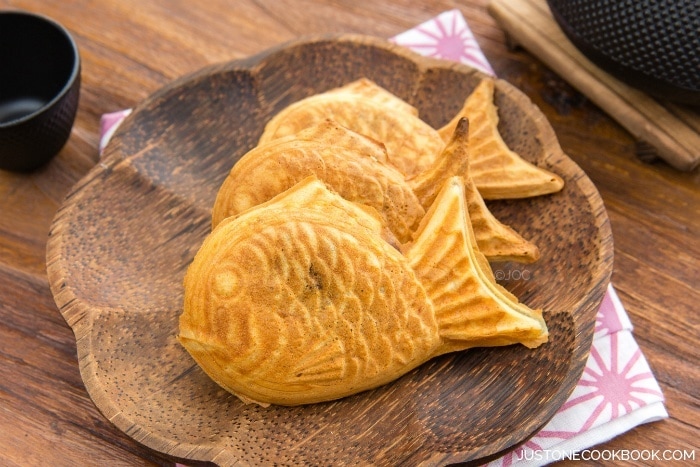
(349, 163)
(470, 306)
(324, 363)
(497, 171)
(331, 132)
(411, 143)
(497, 241)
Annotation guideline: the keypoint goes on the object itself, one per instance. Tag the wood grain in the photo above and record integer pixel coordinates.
(131, 48)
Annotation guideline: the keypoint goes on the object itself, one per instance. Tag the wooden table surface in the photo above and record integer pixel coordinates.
(130, 48)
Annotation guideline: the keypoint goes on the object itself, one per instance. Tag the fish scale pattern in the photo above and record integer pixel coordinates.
(378, 326)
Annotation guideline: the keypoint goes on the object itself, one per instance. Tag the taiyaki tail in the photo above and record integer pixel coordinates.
(497, 171)
(497, 241)
(470, 307)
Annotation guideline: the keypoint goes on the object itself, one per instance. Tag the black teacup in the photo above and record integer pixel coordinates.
(39, 89)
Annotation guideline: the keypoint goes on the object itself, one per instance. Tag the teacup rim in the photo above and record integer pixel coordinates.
(75, 68)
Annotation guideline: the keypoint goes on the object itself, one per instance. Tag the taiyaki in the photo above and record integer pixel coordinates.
(362, 106)
(302, 299)
(412, 145)
(350, 163)
(497, 171)
(369, 89)
(356, 167)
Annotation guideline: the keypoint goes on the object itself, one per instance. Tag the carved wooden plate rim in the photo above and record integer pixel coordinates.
(127, 230)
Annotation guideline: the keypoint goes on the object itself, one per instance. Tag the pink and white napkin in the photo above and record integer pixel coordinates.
(617, 390)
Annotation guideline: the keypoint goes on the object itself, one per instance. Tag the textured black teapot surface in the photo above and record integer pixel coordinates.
(652, 45)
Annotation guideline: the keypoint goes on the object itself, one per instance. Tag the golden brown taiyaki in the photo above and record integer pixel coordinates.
(350, 163)
(367, 88)
(363, 106)
(303, 299)
(370, 110)
(497, 171)
(355, 167)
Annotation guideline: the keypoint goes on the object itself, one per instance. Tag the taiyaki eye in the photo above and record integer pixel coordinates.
(225, 284)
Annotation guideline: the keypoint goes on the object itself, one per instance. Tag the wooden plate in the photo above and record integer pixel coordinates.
(120, 244)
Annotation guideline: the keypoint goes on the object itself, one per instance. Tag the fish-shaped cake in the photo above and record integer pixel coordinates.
(352, 164)
(413, 145)
(306, 298)
(356, 167)
(370, 110)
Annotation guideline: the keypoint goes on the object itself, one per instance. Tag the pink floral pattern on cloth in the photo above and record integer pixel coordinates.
(616, 393)
(617, 390)
(448, 37)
